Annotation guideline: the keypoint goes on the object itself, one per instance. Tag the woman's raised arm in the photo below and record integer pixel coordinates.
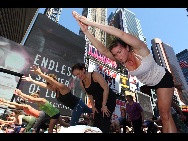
(127, 38)
(49, 79)
(30, 98)
(95, 42)
(29, 79)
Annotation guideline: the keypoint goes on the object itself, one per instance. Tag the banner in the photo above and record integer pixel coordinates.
(120, 104)
(92, 51)
(19, 58)
(134, 84)
(112, 78)
(124, 81)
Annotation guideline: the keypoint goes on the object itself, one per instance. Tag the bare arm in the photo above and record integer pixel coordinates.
(133, 41)
(127, 38)
(49, 79)
(93, 40)
(29, 79)
(98, 78)
(12, 103)
(24, 98)
(11, 106)
(99, 46)
(54, 82)
(32, 99)
(7, 122)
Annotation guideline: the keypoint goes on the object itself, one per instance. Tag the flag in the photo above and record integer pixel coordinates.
(183, 64)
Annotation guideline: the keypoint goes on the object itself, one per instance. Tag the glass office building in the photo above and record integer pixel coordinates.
(183, 61)
(126, 21)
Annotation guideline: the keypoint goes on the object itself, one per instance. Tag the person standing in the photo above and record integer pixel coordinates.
(97, 89)
(135, 114)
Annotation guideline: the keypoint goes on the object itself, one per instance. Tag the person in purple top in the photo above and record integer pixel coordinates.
(135, 114)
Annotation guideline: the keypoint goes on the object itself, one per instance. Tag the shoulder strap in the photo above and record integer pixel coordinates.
(136, 55)
(91, 80)
(83, 84)
(92, 77)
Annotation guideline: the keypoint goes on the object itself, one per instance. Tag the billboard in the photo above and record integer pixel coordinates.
(134, 83)
(124, 81)
(50, 38)
(94, 53)
(112, 78)
(120, 104)
(10, 80)
(49, 46)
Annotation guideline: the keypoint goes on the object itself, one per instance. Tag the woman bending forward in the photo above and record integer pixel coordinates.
(138, 60)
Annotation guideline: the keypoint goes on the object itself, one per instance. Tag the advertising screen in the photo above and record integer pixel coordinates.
(120, 104)
(10, 80)
(112, 78)
(52, 39)
(95, 54)
(134, 83)
(54, 49)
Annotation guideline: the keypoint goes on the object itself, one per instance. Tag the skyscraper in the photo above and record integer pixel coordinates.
(126, 21)
(53, 13)
(98, 15)
(164, 55)
(15, 22)
(183, 61)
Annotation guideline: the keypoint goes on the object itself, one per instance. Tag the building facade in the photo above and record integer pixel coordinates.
(183, 61)
(164, 56)
(15, 22)
(98, 15)
(126, 21)
(53, 13)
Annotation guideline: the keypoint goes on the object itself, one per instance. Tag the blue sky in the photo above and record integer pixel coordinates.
(168, 24)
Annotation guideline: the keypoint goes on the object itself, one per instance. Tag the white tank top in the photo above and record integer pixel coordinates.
(149, 72)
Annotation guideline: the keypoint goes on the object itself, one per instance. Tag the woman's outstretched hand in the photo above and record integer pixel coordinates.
(83, 22)
(17, 92)
(35, 70)
(29, 79)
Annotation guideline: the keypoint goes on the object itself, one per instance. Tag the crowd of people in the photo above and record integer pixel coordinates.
(134, 55)
(130, 121)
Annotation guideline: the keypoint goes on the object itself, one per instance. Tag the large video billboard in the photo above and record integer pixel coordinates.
(50, 38)
(54, 49)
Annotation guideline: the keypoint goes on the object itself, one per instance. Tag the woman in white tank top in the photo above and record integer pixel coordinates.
(138, 60)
